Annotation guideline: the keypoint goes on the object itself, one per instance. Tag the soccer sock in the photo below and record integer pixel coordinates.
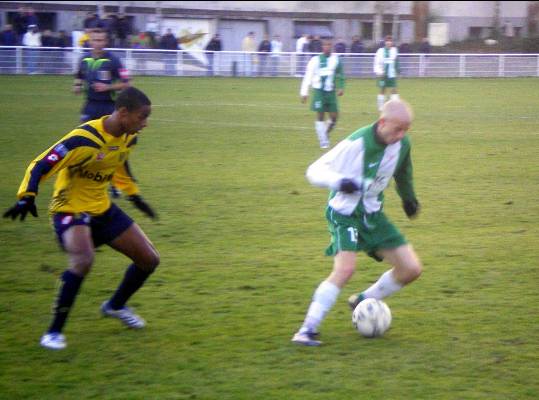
(395, 96)
(70, 285)
(383, 287)
(330, 125)
(381, 100)
(323, 299)
(134, 278)
(321, 129)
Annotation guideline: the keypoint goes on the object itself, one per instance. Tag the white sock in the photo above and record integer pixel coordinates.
(321, 132)
(395, 96)
(323, 299)
(383, 287)
(381, 100)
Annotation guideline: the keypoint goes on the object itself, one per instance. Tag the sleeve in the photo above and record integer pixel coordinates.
(343, 161)
(72, 152)
(378, 66)
(339, 75)
(119, 72)
(404, 178)
(123, 178)
(307, 78)
(80, 74)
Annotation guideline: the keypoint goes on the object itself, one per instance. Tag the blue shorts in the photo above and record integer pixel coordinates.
(96, 109)
(105, 227)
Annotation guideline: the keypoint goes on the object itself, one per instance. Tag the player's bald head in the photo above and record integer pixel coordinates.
(394, 122)
(398, 111)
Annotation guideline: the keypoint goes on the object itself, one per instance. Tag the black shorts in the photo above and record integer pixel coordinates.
(105, 227)
(95, 110)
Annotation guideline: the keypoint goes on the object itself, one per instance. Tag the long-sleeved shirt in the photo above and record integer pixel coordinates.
(370, 165)
(85, 161)
(386, 62)
(324, 73)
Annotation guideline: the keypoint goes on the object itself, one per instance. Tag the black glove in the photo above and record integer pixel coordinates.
(411, 208)
(348, 186)
(22, 207)
(142, 205)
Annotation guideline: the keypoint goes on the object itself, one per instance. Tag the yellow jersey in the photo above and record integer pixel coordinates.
(85, 160)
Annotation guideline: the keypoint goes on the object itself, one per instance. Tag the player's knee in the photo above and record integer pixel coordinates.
(149, 261)
(81, 263)
(414, 270)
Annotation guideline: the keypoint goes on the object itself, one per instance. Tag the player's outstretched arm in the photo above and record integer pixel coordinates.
(22, 207)
(139, 202)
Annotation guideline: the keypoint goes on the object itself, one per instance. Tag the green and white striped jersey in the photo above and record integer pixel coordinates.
(386, 62)
(324, 73)
(370, 165)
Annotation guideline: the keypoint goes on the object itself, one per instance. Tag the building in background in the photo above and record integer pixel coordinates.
(406, 21)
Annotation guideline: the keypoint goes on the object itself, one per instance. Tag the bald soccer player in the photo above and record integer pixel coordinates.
(357, 171)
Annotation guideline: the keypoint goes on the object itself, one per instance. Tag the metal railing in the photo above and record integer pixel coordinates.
(54, 60)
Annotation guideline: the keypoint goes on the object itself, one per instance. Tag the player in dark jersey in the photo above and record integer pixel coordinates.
(84, 162)
(102, 74)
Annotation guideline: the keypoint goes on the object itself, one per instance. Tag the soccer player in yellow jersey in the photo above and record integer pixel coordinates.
(85, 161)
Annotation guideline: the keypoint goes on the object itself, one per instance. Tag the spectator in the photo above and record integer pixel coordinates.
(30, 17)
(110, 26)
(19, 24)
(248, 45)
(315, 46)
(168, 42)
(48, 39)
(356, 48)
(49, 56)
(213, 46)
(264, 48)
(123, 30)
(64, 40)
(357, 45)
(425, 46)
(91, 21)
(32, 39)
(302, 46)
(276, 50)
(8, 37)
(340, 46)
(405, 48)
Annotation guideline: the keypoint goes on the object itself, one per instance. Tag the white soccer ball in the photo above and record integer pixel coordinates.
(371, 318)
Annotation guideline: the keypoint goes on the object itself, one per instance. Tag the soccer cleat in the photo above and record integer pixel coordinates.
(53, 341)
(125, 314)
(324, 145)
(355, 299)
(306, 338)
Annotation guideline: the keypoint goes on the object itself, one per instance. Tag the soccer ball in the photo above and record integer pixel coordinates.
(371, 318)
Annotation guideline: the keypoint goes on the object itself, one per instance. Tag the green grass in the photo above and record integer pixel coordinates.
(241, 236)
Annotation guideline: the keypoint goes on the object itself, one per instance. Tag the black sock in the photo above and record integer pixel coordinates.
(66, 297)
(134, 278)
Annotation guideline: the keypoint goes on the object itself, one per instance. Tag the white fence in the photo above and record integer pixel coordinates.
(53, 60)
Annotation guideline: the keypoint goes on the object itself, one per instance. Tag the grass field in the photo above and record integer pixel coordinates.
(241, 235)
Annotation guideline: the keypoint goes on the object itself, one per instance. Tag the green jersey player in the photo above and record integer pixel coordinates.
(386, 68)
(357, 171)
(325, 74)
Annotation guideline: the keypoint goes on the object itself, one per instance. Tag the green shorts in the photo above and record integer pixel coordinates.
(368, 234)
(387, 83)
(324, 101)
